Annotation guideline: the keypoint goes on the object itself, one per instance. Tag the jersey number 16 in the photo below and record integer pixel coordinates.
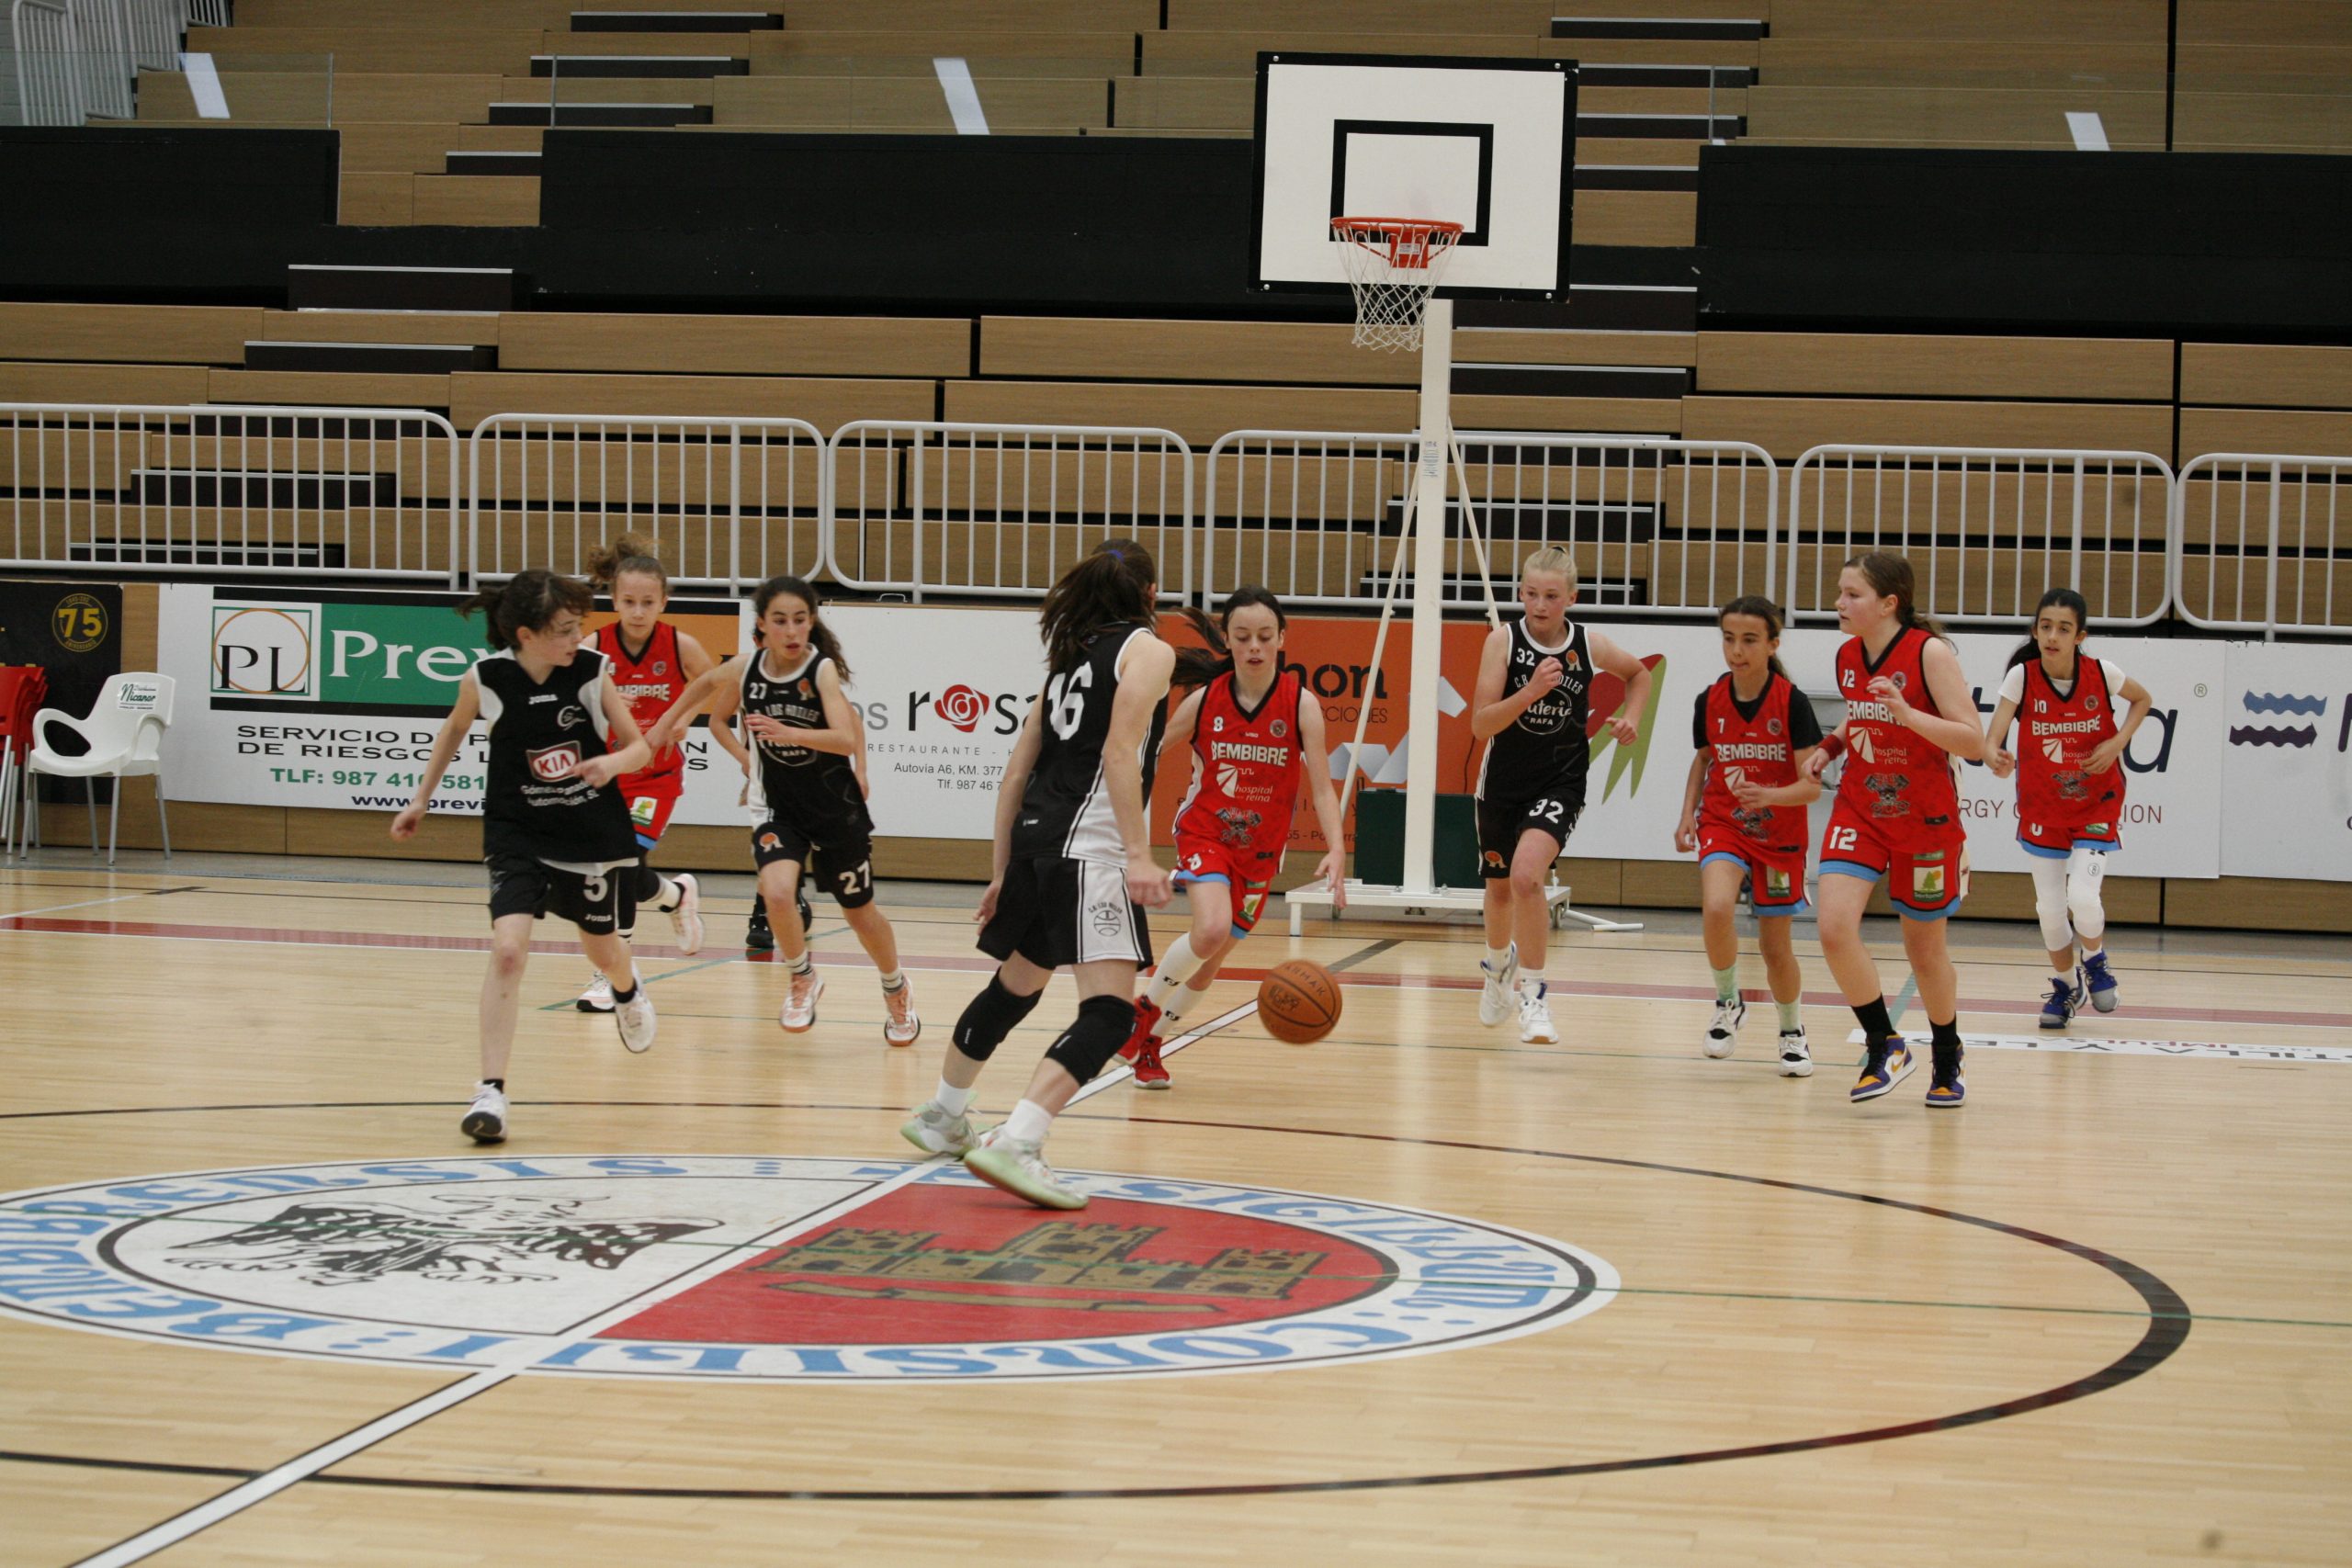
(1066, 700)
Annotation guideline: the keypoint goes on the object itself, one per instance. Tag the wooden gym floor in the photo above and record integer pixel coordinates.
(2097, 1315)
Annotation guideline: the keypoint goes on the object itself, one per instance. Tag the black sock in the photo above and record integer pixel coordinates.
(498, 1084)
(620, 996)
(1877, 1028)
(1946, 1036)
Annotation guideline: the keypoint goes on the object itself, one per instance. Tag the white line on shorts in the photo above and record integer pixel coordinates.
(261, 1487)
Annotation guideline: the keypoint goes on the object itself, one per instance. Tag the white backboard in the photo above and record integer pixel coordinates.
(1489, 144)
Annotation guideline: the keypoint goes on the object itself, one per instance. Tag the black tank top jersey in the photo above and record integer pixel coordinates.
(1066, 809)
(538, 731)
(792, 784)
(1544, 751)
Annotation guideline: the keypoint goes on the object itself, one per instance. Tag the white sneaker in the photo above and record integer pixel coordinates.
(597, 997)
(1723, 1032)
(1019, 1167)
(634, 1019)
(900, 1026)
(798, 1013)
(934, 1131)
(686, 918)
(1796, 1056)
(1493, 993)
(1535, 1026)
(485, 1119)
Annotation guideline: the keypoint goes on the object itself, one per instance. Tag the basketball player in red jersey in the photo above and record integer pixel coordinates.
(1254, 732)
(651, 662)
(1744, 812)
(1897, 814)
(2070, 790)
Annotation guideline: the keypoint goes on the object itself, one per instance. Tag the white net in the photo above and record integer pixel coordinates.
(1392, 264)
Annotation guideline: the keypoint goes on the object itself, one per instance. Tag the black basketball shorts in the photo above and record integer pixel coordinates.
(1502, 822)
(599, 906)
(1053, 912)
(836, 859)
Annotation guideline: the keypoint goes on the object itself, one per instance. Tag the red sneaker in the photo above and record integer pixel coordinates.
(1147, 1018)
(1149, 1073)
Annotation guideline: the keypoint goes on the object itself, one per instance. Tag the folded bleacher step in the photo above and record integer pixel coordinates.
(1628, 176)
(1594, 307)
(372, 358)
(316, 286)
(249, 487)
(460, 161)
(630, 115)
(1698, 76)
(1474, 379)
(1705, 28)
(639, 66)
(1701, 127)
(677, 21)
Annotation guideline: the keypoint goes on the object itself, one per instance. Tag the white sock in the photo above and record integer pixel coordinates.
(1530, 982)
(2065, 980)
(953, 1100)
(894, 980)
(667, 899)
(1030, 1122)
(1173, 971)
(1496, 958)
(1179, 1003)
(803, 964)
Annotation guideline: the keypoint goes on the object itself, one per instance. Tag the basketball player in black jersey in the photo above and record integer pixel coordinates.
(1073, 868)
(555, 831)
(1531, 706)
(805, 787)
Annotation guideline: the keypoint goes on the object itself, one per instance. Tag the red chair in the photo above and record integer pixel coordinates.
(23, 688)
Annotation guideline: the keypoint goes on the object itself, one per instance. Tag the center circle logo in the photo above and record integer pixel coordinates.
(792, 1269)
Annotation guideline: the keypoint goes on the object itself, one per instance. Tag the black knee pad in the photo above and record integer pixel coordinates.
(990, 1017)
(649, 883)
(1102, 1026)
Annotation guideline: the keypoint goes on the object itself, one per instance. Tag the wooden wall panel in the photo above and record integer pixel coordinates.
(1011, 16)
(376, 326)
(1517, 18)
(1637, 218)
(150, 335)
(798, 49)
(824, 402)
(2314, 121)
(1913, 116)
(328, 389)
(2266, 375)
(491, 201)
(505, 51)
(1201, 413)
(424, 148)
(2257, 903)
(169, 384)
(377, 199)
(767, 345)
(1786, 426)
(2301, 434)
(1235, 54)
(2284, 23)
(906, 103)
(2049, 21)
(1904, 365)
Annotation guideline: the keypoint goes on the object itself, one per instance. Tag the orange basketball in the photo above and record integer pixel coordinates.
(1299, 1001)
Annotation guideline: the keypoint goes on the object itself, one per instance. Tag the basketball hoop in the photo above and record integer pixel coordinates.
(1392, 264)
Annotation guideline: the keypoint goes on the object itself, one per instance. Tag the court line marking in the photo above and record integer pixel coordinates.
(303, 1467)
(86, 903)
(847, 957)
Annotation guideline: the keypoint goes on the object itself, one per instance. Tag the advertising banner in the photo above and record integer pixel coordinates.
(2285, 766)
(323, 698)
(73, 632)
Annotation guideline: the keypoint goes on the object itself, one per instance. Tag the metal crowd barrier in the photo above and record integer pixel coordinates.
(1988, 529)
(2267, 527)
(1653, 523)
(282, 492)
(728, 502)
(1001, 510)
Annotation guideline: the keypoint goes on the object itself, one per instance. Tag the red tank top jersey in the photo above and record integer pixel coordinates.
(1245, 768)
(651, 684)
(2057, 801)
(1895, 778)
(1756, 751)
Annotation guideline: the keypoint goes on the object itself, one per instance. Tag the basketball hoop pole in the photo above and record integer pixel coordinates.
(1434, 468)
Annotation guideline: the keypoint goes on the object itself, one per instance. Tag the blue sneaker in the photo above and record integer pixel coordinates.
(2063, 1002)
(1885, 1066)
(2100, 980)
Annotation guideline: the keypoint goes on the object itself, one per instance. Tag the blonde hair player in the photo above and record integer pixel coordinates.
(554, 832)
(1534, 679)
(651, 662)
(1256, 735)
(1897, 814)
(2070, 790)
(806, 787)
(1743, 813)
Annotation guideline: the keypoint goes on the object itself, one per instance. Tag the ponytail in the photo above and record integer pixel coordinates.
(1764, 610)
(820, 636)
(528, 600)
(630, 552)
(1109, 586)
(1199, 666)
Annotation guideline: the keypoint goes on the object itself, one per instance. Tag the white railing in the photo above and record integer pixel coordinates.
(729, 501)
(2256, 542)
(1653, 523)
(1988, 529)
(50, 65)
(1001, 510)
(279, 491)
(76, 59)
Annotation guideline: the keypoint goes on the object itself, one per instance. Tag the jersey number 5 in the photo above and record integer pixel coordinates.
(1066, 700)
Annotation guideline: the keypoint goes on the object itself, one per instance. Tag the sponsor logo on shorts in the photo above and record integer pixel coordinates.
(642, 810)
(1776, 882)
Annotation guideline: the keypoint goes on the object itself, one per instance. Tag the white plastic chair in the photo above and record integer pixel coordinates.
(125, 732)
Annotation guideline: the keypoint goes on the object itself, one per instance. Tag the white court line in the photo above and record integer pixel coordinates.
(203, 86)
(262, 1488)
(2058, 1045)
(53, 908)
(963, 98)
(1168, 1048)
(2089, 132)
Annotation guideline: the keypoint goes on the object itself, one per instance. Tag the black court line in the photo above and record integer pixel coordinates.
(2168, 1325)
